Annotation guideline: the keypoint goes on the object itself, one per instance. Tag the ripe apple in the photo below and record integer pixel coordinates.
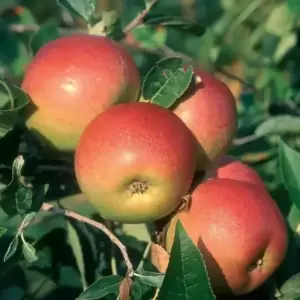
(135, 161)
(232, 168)
(70, 81)
(209, 110)
(238, 229)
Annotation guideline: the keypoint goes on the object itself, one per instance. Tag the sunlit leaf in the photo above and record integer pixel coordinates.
(150, 37)
(29, 251)
(109, 25)
(150, 278)
(280, 21)
(12, 248)
(167, 81)
(281, 124)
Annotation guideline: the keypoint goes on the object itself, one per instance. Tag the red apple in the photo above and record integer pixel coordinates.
(71, 80)
(135, 161)
(209, 110)
(232, 168)
(238, 229)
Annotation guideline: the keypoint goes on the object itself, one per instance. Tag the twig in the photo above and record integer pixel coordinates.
(139, 18)
(164, 51)
(103, 228)
(168, 52)
(236, 78)
(20, 28)
(247, 139)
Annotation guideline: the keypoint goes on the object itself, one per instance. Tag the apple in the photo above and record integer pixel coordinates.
(231, 168)
(70, 81)
(135, 161)
(209, 110)
(239, 230)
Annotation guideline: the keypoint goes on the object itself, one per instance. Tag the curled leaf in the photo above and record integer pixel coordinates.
(125, 289)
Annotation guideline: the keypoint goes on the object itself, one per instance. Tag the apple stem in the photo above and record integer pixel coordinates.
(71, 214)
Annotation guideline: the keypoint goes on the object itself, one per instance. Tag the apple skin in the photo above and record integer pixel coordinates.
(70, 81)
(231, 168)
(239, 230)
(135, 161)
(209, 110)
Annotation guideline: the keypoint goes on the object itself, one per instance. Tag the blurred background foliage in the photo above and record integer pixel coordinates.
(252, 45)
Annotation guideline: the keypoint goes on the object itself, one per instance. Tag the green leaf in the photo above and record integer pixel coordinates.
(13, 292)
(281, 124)
(167, 81)
(291, 288)
(39, 192)
(74, 242)
(102, 287)
(2, 231)
(16, 100)
(84, 9)
(186, 276)
(282, 86)
(36, 279)
(150, 278)
(25, 17)
(6, 4)
(136, 290)
(9, 146)
(17, 197)
(294, 6)
(8, 194)
(175, 22)
(150, 37)
(12, 248)
(110, 26)
(44, 35)
(133, 8)
(264, 78)
(13, 55)
(289, 161)
(29, 251)
(30, 199)
(286, 43)
(293, 219)
(23, 197)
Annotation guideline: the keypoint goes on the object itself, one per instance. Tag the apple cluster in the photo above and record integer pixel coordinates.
(138, 162)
